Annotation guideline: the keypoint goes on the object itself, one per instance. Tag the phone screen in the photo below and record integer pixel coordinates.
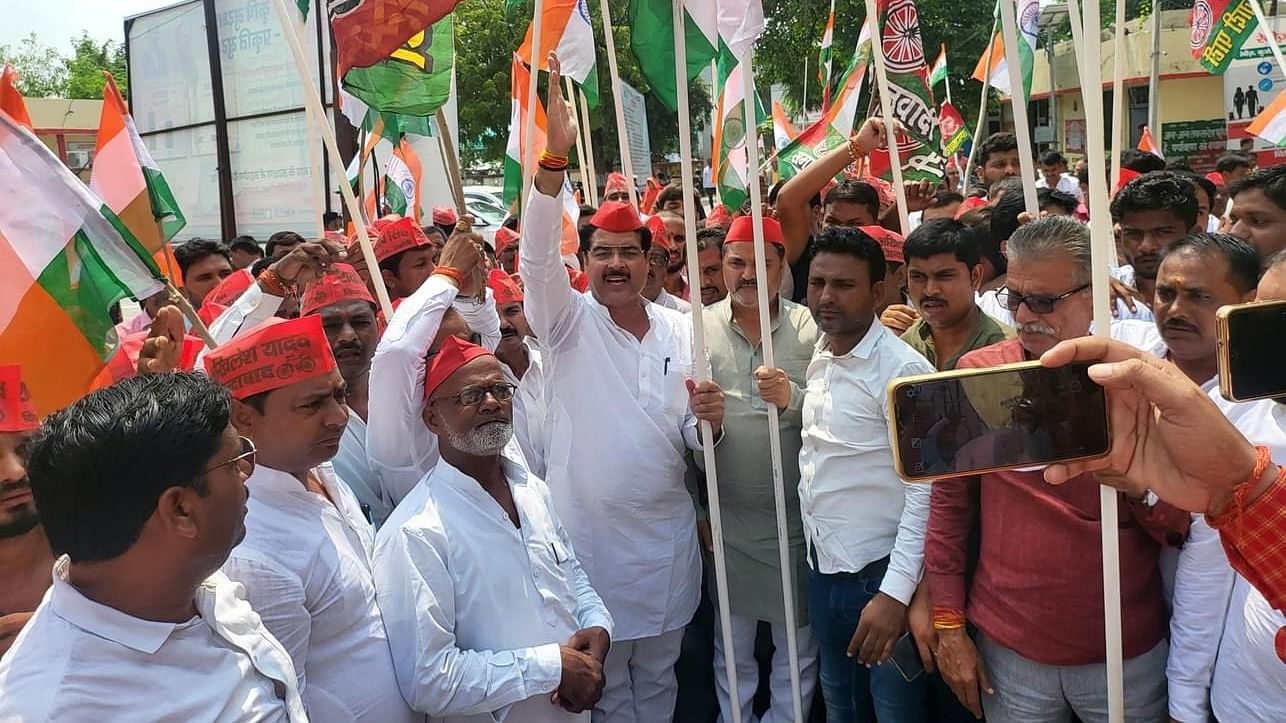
(1256, 341)
(1003, 418)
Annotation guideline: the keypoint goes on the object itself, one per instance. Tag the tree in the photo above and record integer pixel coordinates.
(41, 72)
(85, 68)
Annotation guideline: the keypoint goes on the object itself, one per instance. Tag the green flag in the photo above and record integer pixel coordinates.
(415, 80)
(652, 39)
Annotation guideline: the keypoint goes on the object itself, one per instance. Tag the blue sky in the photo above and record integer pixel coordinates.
(55, 22)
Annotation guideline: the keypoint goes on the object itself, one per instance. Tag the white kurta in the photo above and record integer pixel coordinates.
(353, 465)
(618, 425)
(78, 660)
(529, 408)
(306, 567)
(400, 447)
(476, 608)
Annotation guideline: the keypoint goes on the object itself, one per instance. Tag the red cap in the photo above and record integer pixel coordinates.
(743, 229)
(504, 237)
(616, 183)
(970, 204)
(275, 354)
(209, 312)
(455, 353)
(1122, 180)
(444, 216)
(341, 283)
(398, 236)
(617, 217)
(660, 235)
(1215, 177)
(17, 414)
(890, 242)
(232, 286)
(504, 287)
(124, 362)
(718, 217)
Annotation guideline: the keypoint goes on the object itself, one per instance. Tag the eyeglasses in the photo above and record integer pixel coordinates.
(1039, 304)
(473, 396)
(658, 260)
(244, 461)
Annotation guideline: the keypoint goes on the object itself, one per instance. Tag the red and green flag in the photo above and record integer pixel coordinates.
(955, 132)
(920, 147)
(414, 79)
(1219, 29)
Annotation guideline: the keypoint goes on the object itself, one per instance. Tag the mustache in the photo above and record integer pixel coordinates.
(1035, 327)
(508, 331)
(8, 487)
(352, 346)
(1179, 324)
(926, 299)
(747, 284)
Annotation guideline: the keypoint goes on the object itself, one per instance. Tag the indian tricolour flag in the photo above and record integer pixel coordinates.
(939, 71)
(565, 28)
(402, 176)
(1270, 124)
(783, 132)
(731, 161)
(652, 39)
(992, 63)
(834, 127)
(65, 258)
(131, 184)
(992, 68)
(1148, 144)
(824, 59)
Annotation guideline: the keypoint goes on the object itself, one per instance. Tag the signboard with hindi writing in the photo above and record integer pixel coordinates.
(636, 128)
(1199, 143)
(1219, 28)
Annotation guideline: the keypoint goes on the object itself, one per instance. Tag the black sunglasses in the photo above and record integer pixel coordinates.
(1039, 304)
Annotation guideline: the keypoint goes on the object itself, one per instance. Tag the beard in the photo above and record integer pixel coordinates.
(482, 441)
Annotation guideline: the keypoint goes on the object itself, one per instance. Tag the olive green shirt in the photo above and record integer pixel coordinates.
(744, 463)
(986, 331)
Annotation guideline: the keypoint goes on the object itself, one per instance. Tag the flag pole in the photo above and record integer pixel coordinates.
(1118, 72)
(528, 157)
(313, 100)
(946, 81)
(177, 298)
(701, 365)
(452, 162)
(982, 107)
(886, 110)
(1101, 252)
(774, 424)
(589, 149)
(580, 141)
(1018, 104)
(622, 136)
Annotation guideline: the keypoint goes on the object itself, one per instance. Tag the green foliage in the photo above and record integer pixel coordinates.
(45, 72)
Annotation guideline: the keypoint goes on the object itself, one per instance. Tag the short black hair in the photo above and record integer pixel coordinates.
(1205, 184)
(979, 221)
(586, 211)
(667, 194)
(1049, 158)
(1004, 216)
(774, 190)
(587, 234)
(1002, 142)
(1243, 258)
(98, 467)
(943, 236)
(1178, 164)
(711, 238)
(1271, 181)
(258, 266)
(198, 249)
(856, 243)
(1083, 174)
(329, 216)
(858, 192)
(511, 223)
(247, 244)
(1141, 161)
(1156, 191)
(946, 198)
(287, 238)
(1054, 197)
(1232, 162)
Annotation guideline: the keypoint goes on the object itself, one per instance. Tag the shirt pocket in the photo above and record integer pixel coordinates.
(675, 371)
(550, 563)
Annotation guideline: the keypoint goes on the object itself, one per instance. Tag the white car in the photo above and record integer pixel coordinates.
(491, 195)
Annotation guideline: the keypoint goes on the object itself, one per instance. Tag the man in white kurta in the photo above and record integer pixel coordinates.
(619, 422)
(481, 590)
(306, 559)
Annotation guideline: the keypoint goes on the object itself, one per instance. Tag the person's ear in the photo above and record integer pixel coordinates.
(431, 419)
(176, 512)
(390, 279)
(877, 289)
(975, 277)
(245, 417)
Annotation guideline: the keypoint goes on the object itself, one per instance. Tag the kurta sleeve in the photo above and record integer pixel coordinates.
(252, 308)
(417, 600)
(1202, 589)
(400, 448)
(481, 317)
(549, 298)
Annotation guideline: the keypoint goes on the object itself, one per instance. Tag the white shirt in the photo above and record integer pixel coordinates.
(618, 425)
(855, 508)
(476, 608)
(353, 465)
(670, 301)
(305, 564)
(252, 308)
(400, 447)
(529, 408)
(79, 660)
(1067, 183)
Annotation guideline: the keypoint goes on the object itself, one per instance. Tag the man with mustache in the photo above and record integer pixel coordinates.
(734, 345)
(1035, 598)
(305, 561)
(24, 552)
(623, 410)
(1197, 275)
(658, 263)
(864, 526)
(1154, 211)
(520, 358)
(710, 260)
(489, 612)
(141, 490)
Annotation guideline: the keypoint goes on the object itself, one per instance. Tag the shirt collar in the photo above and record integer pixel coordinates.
(267, 480)
(145, 636)
(723, 309)
(863, 349)
(510, 461)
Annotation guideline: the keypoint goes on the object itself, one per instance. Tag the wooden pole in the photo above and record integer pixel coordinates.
(452, 162)
(765, 337)
(886, 108)
(179, 299)
(1118, 101)
(311, 98)
(982, 108)
(622, 136)
(580, 141)
(1018, 103)
(528, 149)
(589, 149)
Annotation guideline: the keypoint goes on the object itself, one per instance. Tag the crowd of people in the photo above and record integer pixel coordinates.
(491, 505)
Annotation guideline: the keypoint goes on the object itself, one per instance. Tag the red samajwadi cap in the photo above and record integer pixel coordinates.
(616, 183)
(341, 283)
(890, 242)
(743, 229)
(504, 237)
(17, 413)
(454, 353)
(398, 236)
(275, 354)
(444, 216)
(232, 286)
(504, 287)
(718, 217)
(660, 234)
(616, 217)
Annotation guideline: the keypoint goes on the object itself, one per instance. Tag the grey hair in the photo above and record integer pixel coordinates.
(1275, 260)
(1039, 240)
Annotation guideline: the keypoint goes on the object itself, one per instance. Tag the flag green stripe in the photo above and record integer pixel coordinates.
(164, 208)
(652, 39)
(513, 181)
(401, 86)
(87, 298)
